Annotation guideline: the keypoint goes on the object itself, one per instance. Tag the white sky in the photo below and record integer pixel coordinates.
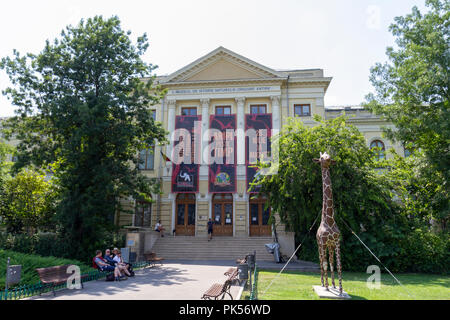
(343, 37)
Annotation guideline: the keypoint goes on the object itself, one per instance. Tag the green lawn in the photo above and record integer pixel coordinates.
(298, 286)
(30, 262)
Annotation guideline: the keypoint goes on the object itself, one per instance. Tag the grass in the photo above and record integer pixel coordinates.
(298, 286)
(29, 263)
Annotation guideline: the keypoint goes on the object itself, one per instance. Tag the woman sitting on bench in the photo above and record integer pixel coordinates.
(104, 266)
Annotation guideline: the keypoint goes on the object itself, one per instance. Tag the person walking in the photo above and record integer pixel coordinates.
(210, 229)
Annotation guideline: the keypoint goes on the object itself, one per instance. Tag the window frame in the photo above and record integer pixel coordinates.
(380, 155)
(302, 114)
(188, 108)
(223, 110)
(259, 107)
(147, 154)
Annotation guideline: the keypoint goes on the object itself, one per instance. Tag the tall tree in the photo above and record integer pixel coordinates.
(412, 92)
(361, 198)
(83, 109)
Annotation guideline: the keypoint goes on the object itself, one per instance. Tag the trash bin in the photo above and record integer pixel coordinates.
(274, 248)
(251, 261)
(242, 271)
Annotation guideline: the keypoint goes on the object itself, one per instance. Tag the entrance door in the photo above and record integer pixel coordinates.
(222, 214)
(185, 215)
(259, 218)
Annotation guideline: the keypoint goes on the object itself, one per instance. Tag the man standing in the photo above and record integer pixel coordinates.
(210, 229)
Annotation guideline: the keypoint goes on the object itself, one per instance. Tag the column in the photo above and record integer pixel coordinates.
(276, 120)
(170, 125)
(205, 127)
(240, 148)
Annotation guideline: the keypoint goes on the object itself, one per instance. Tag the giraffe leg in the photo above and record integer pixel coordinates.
(325, 266)
(321, 262)
(331, 249)
(338, 263)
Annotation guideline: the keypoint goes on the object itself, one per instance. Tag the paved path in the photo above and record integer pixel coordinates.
(175, 280)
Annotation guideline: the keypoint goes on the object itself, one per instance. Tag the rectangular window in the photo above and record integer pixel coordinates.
(191, 111)
(258, 109)
(302, 110)
(154, 115)
(220, 110)
(143, 214)
(147, 158)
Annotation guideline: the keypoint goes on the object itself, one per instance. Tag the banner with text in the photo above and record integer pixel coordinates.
(222, 156)
(258, 128)
(186, 152)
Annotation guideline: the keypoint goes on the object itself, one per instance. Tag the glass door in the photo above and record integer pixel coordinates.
(222, 214)
(185, 215)
(259, 218)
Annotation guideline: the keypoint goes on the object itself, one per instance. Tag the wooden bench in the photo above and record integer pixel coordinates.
(218, 291)
(233, 274)
(53, 276)
(152, 259)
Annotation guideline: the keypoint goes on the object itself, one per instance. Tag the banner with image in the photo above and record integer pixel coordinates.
(258, 128)
(222, 168)
(185, 174)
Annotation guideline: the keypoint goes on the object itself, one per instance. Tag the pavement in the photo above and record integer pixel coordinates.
(174, 280)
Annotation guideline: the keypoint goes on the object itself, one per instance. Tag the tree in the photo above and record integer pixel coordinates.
(362, 198)
(83, 109)
(412, 92)
(27, 203)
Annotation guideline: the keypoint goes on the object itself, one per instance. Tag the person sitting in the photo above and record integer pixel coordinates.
(120, 263)
(159, 228)
(102, 265)
(109, 257)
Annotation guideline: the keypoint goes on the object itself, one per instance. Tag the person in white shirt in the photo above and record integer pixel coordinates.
(159, 228)
(120, 264)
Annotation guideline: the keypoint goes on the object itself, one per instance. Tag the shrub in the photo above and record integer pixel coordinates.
(30, 262)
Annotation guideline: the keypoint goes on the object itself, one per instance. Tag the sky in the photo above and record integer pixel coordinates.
(345, 38)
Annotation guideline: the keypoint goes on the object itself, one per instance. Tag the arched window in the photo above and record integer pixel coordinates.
(380, 153)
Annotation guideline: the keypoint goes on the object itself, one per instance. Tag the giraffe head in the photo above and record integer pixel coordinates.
(325, 160)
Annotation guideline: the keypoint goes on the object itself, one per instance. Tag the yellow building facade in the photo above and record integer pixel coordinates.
(226, 83)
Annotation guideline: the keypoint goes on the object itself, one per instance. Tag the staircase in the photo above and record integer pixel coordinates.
(219, 248)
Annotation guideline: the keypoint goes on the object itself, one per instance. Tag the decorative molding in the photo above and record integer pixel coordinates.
(215, 55)
(240, 101)
(205, 102)
(275, 100)
(171, 103)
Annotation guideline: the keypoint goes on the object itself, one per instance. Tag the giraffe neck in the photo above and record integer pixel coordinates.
(327, 209)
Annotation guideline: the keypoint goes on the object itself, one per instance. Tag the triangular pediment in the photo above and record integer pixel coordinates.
(221, 64)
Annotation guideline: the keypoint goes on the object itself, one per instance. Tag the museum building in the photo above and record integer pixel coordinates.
(226, 92)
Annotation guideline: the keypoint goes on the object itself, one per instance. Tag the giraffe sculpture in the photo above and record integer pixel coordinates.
(328, 234)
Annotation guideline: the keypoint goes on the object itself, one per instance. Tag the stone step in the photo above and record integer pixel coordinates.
(220, 248)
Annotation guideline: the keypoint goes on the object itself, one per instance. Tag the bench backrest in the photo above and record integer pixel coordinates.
(53, 274)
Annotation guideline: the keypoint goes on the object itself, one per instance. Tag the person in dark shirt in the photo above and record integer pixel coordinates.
(109, 258)
(210, 229)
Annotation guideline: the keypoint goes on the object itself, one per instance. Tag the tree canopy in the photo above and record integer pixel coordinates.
(362, 198)
(412, 92)
(83, 112)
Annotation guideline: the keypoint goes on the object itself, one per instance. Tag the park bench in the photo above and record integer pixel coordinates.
(152, 259)
(233, 274)
(218, 290)
(52, 276)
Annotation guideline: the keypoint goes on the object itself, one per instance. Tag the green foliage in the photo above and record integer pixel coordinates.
(29, 264)
(361, 197)
(53, 245)
(83, 113)
(27, 203)
(420, 189)
(411, 91)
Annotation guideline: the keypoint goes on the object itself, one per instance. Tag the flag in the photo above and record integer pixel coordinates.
(166, 158)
